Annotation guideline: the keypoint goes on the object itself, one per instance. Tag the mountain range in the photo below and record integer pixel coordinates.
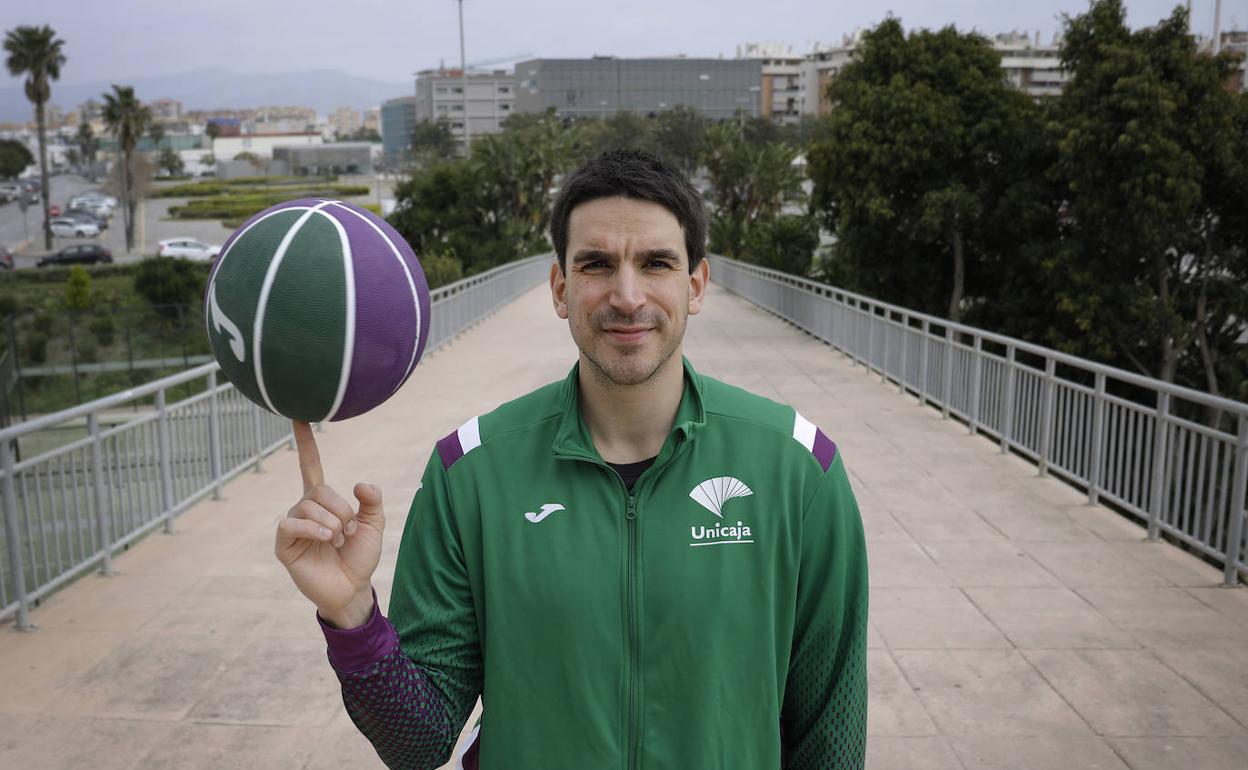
(220, 88)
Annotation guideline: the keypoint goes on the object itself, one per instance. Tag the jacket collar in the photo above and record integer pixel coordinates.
(573, 439)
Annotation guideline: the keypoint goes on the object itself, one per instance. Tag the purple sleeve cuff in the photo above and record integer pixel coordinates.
(353, 649)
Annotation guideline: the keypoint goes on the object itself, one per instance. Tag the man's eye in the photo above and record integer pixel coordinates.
(660, 263)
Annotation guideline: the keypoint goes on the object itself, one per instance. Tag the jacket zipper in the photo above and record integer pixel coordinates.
(634, 665)
(634, 705)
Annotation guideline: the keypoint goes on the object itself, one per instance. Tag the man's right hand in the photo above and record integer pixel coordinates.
(330, 549)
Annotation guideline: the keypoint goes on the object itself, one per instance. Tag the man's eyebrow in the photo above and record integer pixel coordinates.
(589, 255)
(660, 254)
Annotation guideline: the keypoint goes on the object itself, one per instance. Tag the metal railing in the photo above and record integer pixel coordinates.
(70, 509)
(1136, 442)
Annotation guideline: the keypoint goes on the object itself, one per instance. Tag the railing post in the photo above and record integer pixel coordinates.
(868, 359)
(1007, 402)
(884, 346)
(1158, 480)
(103, 523)
(977, 368)
(923, 364)
(1046, 416)
(905, 353)
(255, 433)
(1239, 479)
(214, 438)
(1098, 440)
(166, 465)
(14, 539)
(947, 374)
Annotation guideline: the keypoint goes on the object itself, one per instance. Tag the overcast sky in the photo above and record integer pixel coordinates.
(388, 40)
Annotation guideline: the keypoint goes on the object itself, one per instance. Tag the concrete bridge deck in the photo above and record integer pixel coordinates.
(1013, 626)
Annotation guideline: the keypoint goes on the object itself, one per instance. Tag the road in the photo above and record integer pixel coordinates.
(13, 233)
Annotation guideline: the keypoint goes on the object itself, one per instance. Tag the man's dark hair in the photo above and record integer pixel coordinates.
(632, 174)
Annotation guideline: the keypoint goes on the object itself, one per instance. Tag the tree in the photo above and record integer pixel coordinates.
(622, 131)
(679, 136)
(432, 142)
(171, 162)
(212, 130)
(88, 145)
(1150, 154)
(127, 118)
(14, 158)
(36, 53)
(750, 185)
(904, 172)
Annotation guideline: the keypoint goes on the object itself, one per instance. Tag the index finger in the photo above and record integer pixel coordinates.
(309, 457)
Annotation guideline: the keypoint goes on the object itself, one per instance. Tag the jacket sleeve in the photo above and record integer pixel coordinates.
(409, 683)
(824, 717)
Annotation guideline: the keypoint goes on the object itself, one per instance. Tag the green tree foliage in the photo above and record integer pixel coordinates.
(750, 184)
(680, 137)
(88, 145)
(14, 158)
(1151, 154)
(37, 53)
(128, 119)
(786, 243)
(621, 131)
(906, 173)
(166, 283)
(78, 288)
(171, 162)
(432, 142)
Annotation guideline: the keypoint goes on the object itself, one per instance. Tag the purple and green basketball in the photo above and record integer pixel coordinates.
(317, 310)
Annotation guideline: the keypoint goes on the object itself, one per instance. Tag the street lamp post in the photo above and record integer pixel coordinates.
(463, 71)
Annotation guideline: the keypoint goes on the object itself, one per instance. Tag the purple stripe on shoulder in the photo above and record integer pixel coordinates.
(823, 450)
(450, 450)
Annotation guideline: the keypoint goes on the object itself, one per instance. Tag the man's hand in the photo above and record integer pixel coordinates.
(330, 549)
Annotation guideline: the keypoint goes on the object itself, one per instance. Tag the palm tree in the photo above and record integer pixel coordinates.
(127, 118)
(36, 53)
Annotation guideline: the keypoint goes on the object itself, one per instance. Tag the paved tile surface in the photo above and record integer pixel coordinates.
(1013, 626)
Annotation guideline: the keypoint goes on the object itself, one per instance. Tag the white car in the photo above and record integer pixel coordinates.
(69, 228)
(189, 248)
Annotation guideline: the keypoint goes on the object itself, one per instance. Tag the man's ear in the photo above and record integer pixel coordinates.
(698, 279)
(558, 290)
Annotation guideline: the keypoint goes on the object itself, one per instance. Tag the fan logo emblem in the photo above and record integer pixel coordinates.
(712, 495)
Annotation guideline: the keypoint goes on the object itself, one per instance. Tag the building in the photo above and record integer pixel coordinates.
(1236, 41)
(166, 110)
(344, 121)
(819, 68)
(260, 145)
(326, 159)
(781, 96)
(1033, 68)
(398, 120)
(604, 85)
(440, 97)
(372, 119)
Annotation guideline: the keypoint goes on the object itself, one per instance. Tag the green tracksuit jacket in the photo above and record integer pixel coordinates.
(714, 617)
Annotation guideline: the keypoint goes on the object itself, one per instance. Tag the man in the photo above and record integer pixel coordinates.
(635, 567)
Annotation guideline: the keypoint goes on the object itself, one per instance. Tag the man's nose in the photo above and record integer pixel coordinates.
(627, 292)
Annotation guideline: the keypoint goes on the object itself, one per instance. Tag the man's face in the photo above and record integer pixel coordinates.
(627, 291)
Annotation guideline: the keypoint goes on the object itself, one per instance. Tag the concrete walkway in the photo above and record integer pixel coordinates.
(1013, 626)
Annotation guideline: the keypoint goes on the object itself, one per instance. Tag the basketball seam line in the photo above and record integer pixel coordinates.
(411, 283)
(269, 276)
(348, 327)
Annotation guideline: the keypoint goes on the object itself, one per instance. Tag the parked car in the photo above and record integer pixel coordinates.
(95, 209)
(86, 216)
(189, 248)
(54, 211)
(67, 228)
(9, 191)
(6, 258)
(86, 254)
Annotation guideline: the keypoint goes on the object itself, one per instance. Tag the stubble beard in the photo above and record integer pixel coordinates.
(629, 368)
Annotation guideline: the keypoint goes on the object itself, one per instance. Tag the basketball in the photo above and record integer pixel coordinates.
(317, 310)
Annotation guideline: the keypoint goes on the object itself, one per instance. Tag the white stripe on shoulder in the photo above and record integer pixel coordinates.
(804, 431)
(469, 435)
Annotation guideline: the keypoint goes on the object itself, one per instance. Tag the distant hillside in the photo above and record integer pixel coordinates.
(219, 88)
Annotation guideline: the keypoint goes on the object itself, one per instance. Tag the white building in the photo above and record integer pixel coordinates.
(818, 68)
(440, 97)
(1031, 67)
(261, 145)
(781, 98)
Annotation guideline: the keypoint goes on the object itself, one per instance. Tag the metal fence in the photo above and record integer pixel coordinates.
(72, 508)
(1175, 458)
